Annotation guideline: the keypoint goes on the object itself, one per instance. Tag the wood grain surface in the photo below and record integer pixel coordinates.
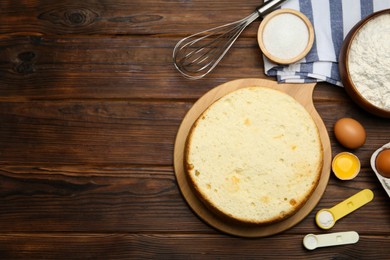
(90, 104)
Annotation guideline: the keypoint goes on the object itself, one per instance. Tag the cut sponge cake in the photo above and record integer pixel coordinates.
(254, 156)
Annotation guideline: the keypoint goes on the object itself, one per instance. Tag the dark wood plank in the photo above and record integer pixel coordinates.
(39, 68)
(120, 17)
(166, 246)
(49, 67)
(128, 132)
(124, 132)
(48, 198)
(108, 199)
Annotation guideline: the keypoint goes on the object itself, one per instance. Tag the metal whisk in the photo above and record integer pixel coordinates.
(197, 55)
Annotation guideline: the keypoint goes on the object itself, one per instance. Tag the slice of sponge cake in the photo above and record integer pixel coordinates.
(254, 156)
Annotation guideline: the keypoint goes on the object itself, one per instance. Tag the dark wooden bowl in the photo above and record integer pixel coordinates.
(349, 86)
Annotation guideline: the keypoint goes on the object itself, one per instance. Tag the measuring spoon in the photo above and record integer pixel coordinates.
(312, 241)
(326, 218)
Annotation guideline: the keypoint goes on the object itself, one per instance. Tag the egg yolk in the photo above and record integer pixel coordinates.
(345, 166)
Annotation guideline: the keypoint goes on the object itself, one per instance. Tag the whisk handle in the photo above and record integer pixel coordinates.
(268, 7)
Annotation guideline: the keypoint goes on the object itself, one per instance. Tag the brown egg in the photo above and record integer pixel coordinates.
(382, 163)
(350, 133)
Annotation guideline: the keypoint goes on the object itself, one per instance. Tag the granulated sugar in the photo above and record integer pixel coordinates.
(285, 36)
(369, 61)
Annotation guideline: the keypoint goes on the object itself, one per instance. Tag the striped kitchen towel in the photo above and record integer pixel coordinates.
(332, 20)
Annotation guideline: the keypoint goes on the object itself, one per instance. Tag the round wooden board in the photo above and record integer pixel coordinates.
(303, 94)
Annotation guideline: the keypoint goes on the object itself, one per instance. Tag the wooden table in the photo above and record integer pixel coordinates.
(90, 107)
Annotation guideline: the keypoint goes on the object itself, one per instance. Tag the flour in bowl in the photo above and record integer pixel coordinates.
(369, 61)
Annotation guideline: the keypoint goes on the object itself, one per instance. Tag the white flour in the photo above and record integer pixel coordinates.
(369, 61)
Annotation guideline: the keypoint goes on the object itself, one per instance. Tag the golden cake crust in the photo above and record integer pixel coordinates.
(254, 156)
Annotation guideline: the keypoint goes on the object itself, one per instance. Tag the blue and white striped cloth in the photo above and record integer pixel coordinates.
(332, 20)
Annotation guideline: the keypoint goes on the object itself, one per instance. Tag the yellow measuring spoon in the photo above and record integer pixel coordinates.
(326, 218)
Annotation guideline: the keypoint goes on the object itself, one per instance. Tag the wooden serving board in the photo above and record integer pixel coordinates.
(303, 94)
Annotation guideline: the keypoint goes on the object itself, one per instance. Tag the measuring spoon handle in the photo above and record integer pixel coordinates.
(352, 203)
